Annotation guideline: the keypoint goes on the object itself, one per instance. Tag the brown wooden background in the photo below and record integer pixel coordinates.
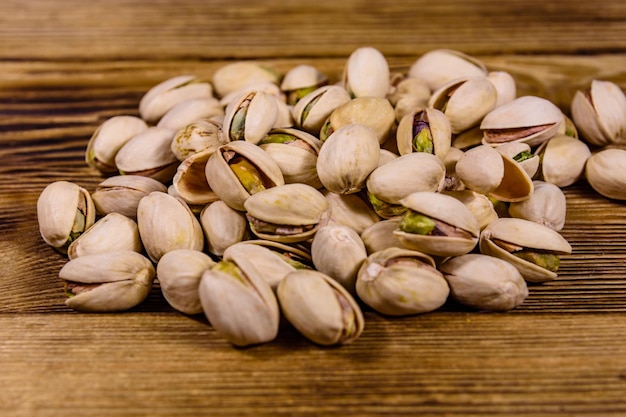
(66, 66)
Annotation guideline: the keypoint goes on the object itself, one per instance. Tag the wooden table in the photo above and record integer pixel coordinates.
(66, 66)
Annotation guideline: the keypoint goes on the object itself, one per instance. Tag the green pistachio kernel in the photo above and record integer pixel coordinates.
(383, 208)
(413, 222)
(277, 138)
(247, 174)
(238, 124)
(547, 261)
(523, 156)
(423, 141)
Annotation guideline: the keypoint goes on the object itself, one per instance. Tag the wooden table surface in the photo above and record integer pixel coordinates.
(66, 66)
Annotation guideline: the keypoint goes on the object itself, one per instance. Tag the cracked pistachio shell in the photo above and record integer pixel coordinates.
(267, 87)
(484, 282)
(407, 94)
(347, 157)
(250, 117)
(440, 66)
(505, 86)
(338, 252)
(527, 119)
(605, 172)
(223, 226)
(166, 223)
(121, 194)
(380, 236)
(479, 204)
(563, 160)
(239, 304)
(196, 137)
(320, 308)
(64, 212)
(190, 182)
(400, 282)
(300, 80)
(113, 232)
(256, 167)
(107, 282)
(458, 224)
(350, 210)
(600, 113)
(149, 154)
(519, 151)
(373, 112)
(287, 213)
(517, 234)
(109, 138)
(237, 75)
(261, 261)
(295, 153)
(437, 126)
(546, 206)
(465, 101)
(310, 113)
(167, 94)
(366, 73)
(396, 179)
(179, 273)
(190, 111)
(296, 255)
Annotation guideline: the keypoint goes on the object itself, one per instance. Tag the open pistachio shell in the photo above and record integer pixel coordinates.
(312, 110)
(401, 282)
(223, 226)
(301, 80)
(190, 182)
(425, 130)
(112, 232)
(518, 240)
(320, 308)
(522, 154)
(516, 184)
(350, 210)
(250, 117)
(440, 66)
(450, 229)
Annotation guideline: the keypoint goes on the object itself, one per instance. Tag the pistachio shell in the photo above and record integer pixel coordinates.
(179, 273)
(189, 111)
(366, 73)
(237, 75)
(312, 110)
(481, 169)
(436, 124)
(546, 206)
(319, 308)
(563, 160)
(167, 94)
(440, 66)
(505, 86)
(373, 112)
(479, 204)
(380, 236)
(516, 184)
(401, 282)
(301, 79)
(407, 94)
(196, 137)
(255, 111)
(113, 232)
(484, 282)
(223, 226)
(121, 194)
(605, 173)
(350, 210)
(517, 150)
(190, 182)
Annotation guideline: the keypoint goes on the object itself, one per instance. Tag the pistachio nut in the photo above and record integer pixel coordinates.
(534, 249)
(107, 282)
(287, 213)
(407, 94)
(479, 204)
(190, 111)
(605, 173)
(300, 81)
(166, 223)
(240, 169)
(107, 140)
(366, 73)
(505, 86)
(312, 110)
(437, 224)
(250, 117)
(386, 156)
(239, 304)
(190, 182)
(563, 160)
(400, 282)
(380, 236)
(267, 87)
(179, 273)
(546, 206)
(295, 152)
(64, 211)
(149, 154)
(113, 232)
(528, 119)
(223, 226)
(350, 210)
(167, 94)
(440, 66)
(197, 136)
(237, 75)
(484, 282)
(319, 308)
(347, 157)
(452, 181)
(465, 101)
(121, 194)
(426, 131)
(338, 252)
(296, 255)
(373, 112)
(393, 181)
(522, 154)
(600, 113)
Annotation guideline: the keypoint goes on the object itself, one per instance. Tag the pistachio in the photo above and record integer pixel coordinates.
(190, 182)
(505, 86)
(121, 194)
(64, 212)
(107, 282)
(223, 226)
(373, 112)
(250, 116)
(407, 94)
(605, 173)
(237, 75)
(401, 282)
(563, 160)
(301, 80)
(546, 206)
(522, 154)
(190, 111)
(239, 304)
(426, 131)
(380, 236)
(113, 232)
(366, 73)
(350, 210)
(167, 94)
(440, 66)
(319, 308)
(312, 110)
(179, 273)
(196, 137)
(480, 205)
(484, 282)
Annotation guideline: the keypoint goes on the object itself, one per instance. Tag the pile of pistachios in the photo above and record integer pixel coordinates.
(254, 195)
